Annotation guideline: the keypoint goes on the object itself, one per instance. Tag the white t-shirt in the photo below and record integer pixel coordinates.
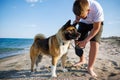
(95, 14)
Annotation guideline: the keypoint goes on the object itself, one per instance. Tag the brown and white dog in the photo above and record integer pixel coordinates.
(56, 46)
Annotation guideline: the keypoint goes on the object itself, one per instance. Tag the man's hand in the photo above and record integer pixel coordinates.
(81, 44)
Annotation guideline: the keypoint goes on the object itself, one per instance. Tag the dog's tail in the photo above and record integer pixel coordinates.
(39, 36)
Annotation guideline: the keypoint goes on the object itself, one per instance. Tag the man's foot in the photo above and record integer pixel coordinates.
(92, 73)
(79, 63)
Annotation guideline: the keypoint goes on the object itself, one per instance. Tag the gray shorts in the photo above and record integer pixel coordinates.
(84, 30)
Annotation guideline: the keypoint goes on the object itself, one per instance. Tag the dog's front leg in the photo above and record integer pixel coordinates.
(54, 64)
(63, 62)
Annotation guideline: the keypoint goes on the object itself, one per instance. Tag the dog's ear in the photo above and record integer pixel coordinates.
(67, 24)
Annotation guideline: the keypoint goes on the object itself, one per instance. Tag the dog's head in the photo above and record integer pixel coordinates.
(69, 31)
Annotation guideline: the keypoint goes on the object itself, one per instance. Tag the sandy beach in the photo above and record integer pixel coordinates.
(107, 65)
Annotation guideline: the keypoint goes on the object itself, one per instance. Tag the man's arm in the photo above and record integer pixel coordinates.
(94, 31)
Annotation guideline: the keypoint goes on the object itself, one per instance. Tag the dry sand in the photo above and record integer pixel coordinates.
(107, 65)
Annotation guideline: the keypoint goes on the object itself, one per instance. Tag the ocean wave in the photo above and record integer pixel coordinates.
(7, 50)
(14, 46)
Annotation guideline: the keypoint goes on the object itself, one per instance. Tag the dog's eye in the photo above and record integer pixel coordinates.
(73, 30)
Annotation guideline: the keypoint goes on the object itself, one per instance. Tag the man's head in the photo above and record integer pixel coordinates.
(81, 8)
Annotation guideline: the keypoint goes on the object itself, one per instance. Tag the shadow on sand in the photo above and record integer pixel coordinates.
(11, 74)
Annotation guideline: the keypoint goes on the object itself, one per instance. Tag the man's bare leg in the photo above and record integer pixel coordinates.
(94, 46)
(82, 61)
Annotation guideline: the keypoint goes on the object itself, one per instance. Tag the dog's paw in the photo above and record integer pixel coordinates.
(53, 75)
(64, 70)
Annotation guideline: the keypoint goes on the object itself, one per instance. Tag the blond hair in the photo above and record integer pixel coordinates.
(80, 6)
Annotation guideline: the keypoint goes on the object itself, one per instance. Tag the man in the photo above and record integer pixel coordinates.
(89, 15)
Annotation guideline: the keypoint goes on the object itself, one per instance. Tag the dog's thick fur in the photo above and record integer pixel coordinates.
(56, 46)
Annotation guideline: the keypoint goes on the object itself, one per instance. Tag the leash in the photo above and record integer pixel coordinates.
(72, 45)
(76, 46)
(78, 51)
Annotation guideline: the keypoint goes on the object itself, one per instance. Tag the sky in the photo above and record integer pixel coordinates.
(26, 18)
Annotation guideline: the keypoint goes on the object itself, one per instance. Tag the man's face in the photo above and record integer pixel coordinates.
(84, 14)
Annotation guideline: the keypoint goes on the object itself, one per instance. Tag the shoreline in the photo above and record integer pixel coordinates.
(12, 56)
(17, 54)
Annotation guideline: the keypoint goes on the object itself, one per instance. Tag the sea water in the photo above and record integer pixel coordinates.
(14, 46)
